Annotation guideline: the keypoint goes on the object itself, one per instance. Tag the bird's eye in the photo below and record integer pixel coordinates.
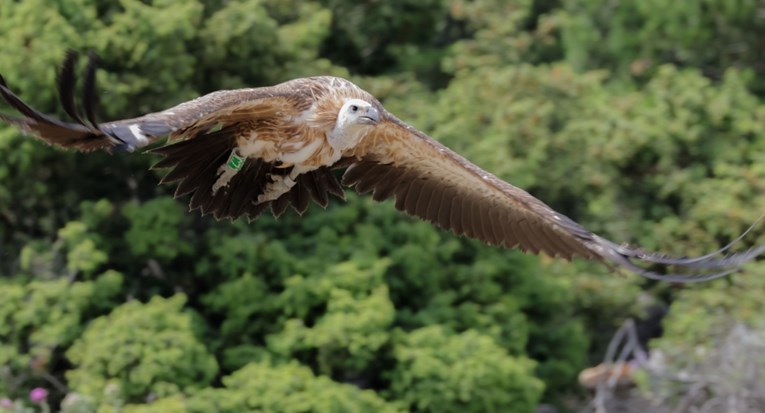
(354, 108)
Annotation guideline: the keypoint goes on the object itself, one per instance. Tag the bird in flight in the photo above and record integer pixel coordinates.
(241, 152)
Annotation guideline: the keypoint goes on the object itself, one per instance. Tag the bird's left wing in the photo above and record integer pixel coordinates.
(205, 128)
(430, 181)
(185, 120)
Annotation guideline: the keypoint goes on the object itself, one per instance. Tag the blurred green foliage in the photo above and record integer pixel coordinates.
(441, 372)
(642, 120)
(634, 37)
(143, 349)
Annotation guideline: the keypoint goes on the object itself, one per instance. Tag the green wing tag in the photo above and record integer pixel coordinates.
(235, 162)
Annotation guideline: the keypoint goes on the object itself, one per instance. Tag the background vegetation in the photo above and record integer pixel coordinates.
(642, 119)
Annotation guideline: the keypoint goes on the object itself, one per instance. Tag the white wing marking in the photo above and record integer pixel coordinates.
(135, 129)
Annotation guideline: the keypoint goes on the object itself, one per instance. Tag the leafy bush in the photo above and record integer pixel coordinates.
(145, 350)
(156, 229)
(285, 388)
(437, 371)
(40, 319)
(634, 36)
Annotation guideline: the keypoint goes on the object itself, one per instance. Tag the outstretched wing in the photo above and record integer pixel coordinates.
(185, 120)
(434, 183)
(206, 128)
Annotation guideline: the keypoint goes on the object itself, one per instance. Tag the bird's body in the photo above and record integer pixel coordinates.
(239, 152)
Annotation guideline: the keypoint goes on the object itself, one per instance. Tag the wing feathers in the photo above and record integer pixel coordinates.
(468, 216)
(546, 239)
(195, 167)
(443, 214)
(426, 204)
(429, 181)
(385, 188)
(455, 220)
(245, 192)
(89, 95)
(77, 135)
(401, 194)
(66, 84)
(486, 225)
(301, 197)
(512, 230)
(412, 196)
(256, 209)
(330, 182)
(373, 177)
(315, 187)
(504, 238)
(356, 172)
(203, 181)
(195, 160)
(248, 191)
(185, 120)
(528, 236)
(52, 130)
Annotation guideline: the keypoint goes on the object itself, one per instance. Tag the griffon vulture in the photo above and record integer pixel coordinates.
(239, 152)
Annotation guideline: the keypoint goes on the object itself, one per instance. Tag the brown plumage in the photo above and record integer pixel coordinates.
(240, 152)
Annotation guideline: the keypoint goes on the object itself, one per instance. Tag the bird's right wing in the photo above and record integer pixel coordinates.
(430, 181)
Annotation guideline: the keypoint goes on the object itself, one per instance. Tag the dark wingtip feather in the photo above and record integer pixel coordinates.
(66, 82)
(701, 261)
(75, 135)
(21, 106)
(710, 266)
(89, 96)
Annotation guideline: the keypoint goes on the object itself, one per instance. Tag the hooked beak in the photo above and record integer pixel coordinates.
(370, 117)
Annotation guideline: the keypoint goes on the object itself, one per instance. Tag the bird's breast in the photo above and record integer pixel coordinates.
(303, 151)
(289, 146)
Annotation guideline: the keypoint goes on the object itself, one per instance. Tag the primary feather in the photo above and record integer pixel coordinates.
(240, 152)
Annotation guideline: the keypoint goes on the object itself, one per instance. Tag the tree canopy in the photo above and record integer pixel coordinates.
(643, 120)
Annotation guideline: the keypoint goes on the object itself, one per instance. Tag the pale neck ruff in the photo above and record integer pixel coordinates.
(344, 139)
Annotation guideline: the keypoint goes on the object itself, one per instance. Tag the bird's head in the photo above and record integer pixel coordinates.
(354, 121)
(358, 112)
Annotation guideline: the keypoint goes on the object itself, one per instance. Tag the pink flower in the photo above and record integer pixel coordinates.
(38, 395)
(6, 403)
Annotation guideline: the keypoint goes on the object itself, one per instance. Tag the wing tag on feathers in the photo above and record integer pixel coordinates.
(344, 127)
(233, 165)
(235, 161)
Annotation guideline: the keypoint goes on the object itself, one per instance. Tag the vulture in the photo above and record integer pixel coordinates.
(240, 152)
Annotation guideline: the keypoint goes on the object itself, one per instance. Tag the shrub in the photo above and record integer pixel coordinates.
(144, 349)
(438, 371)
